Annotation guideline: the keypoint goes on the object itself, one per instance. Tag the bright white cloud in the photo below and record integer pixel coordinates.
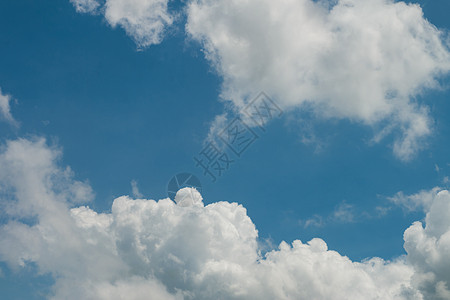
(428, 249)
(5, 109)
(362, 60)
(143, 20)
(186, 250)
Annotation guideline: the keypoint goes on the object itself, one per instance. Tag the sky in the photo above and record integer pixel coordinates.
(104, 102)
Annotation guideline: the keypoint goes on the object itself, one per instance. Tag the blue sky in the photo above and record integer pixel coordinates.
(121, 113)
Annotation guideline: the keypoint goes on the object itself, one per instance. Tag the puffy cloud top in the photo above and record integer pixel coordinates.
(188, 197)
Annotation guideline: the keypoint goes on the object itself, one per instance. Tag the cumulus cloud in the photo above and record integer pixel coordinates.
(5, 109)
(366, 61)
(182, 249)
(144, 21)
(428, 249)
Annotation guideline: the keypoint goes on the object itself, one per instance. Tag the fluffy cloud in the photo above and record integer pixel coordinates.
(5, 109)
(143, 20)
(362, 60)
(146, 249)
(428, 249)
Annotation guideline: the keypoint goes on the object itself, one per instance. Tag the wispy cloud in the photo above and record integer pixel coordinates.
(5, 109)
(135, 190)
(86, 6)
(420, 200)
(343, 213)
(446, 180)
(314, 221)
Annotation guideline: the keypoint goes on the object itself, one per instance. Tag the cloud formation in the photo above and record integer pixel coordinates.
(185, 250)
(428, 248)
(135, 189)
(5, 109)
(145, 21)
(421, 200)
(366, 61)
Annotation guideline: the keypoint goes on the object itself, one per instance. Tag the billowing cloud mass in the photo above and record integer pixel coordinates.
(182, 249)
(5, 109)
(364, 60)
(143, 20)
(428, 249)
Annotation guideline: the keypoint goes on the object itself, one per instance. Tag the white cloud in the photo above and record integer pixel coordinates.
(428, 249)
(145, 21)
(344, 213)
(314, 221)
(5, 109)
(216, 127)
(186, 250)
(362, 60)
(421, 200)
